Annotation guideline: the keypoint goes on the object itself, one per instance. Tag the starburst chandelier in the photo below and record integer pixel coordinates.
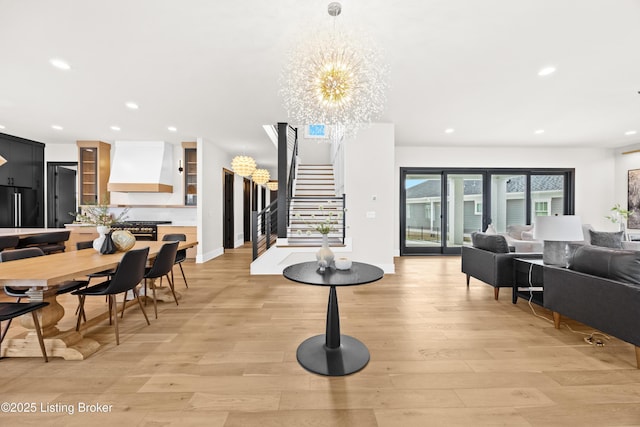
(335, 78)
(260, 176)
(243, 165)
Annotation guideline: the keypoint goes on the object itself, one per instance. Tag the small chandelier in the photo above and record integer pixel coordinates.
(243, 165)
(335, 78)
(260, 176)
(272, 185)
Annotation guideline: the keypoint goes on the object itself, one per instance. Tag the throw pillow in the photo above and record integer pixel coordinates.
(491, 229)
(490, 242)
(528, 236)
(606, 239)
(515, 230)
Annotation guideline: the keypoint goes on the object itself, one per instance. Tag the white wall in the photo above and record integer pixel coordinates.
(210, 199)
(312, 152)
(594, 172)
(369, 186)
(61, 153)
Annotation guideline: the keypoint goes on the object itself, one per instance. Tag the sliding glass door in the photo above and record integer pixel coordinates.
(440, 208)
(423, 211)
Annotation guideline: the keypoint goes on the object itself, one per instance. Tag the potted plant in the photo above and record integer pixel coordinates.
(619, 216)
(99, 216)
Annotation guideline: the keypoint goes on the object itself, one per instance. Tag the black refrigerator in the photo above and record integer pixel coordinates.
(19, 207)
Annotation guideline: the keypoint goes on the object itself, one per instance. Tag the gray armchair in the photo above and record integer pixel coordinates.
(490, 261)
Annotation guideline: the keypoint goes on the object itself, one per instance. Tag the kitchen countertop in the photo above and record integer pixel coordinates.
(178, 224)
(26, 231)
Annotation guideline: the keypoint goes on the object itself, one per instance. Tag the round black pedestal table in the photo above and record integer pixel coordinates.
(333, 354)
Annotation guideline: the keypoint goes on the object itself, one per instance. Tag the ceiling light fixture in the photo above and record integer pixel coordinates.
(243, 165)
(180, 168)
(260, 176)
(539, 132)
(116, 128)
(272, 185)
(172, 129)
(450, 130)
(60, 64)
(546, 71)
(56, 127)
(630, 132)
(2, 127)
(132, 105)
(334, 78)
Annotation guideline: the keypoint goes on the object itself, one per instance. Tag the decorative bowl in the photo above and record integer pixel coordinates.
(123, 240)
(342, 263)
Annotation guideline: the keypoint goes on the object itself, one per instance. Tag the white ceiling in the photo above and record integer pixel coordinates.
(211, 69)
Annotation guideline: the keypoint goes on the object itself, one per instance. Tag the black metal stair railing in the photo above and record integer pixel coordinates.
(263, 227)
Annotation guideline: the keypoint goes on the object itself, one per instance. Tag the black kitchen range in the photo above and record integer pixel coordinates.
(142, 230)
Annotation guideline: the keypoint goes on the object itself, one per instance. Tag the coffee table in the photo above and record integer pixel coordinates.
(333, 354)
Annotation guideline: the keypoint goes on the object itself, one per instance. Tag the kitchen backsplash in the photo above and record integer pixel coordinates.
(178, 216)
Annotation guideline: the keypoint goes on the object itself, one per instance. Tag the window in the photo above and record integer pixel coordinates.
(478, 209)
(541, 208)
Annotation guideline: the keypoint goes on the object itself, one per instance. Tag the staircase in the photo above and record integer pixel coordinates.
(314, 201)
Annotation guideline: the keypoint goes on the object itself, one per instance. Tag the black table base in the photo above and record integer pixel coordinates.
(351, 356)
(333, 354)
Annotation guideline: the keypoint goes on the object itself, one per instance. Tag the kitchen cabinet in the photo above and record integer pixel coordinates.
(21, 182)
(18, 171)
(79, 233)
(190, 174)
(94, 166)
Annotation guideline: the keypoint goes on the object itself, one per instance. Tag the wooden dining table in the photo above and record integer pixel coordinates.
(42, 275)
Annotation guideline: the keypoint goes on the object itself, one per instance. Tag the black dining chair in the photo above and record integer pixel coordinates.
(88, 244)
(8, 242)
(162, 266)
(19, 293)
(181, 255)
(50, 242)
(9, 310)
(128, 275)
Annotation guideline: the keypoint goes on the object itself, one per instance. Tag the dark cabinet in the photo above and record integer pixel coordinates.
(21, 182)
(18, 171)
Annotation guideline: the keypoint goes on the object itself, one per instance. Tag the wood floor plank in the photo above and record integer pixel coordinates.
(442, 354)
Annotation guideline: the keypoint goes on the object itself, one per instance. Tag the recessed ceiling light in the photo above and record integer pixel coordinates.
(547, 71)
(1, 127)
(132, 105)
(172, 128)
(56, 127)
(450, 130)
(539, 132)
(630, 132)
(115, 128)
(60, 64)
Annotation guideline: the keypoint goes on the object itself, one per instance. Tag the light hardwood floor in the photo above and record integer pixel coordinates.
(441, 355)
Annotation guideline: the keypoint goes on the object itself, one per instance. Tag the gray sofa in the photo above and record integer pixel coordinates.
(601, 288)
(491, 261)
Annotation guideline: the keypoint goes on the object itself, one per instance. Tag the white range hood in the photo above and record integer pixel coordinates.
(142, 167)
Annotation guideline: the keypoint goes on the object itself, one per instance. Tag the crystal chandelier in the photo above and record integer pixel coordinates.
(243, 165)
(335, 78)
(260, 176)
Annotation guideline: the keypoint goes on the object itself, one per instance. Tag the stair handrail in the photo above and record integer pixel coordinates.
(263, 221)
